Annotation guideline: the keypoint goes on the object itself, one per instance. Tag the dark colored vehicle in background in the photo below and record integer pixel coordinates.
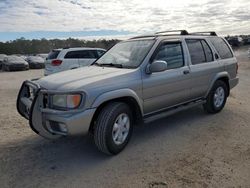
(35, 62)
(2, 56)
(235, 41)
(14, 63)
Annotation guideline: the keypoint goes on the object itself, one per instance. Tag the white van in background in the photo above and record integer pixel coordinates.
(70, 58)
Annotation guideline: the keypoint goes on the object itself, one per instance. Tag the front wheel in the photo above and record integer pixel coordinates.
(113, 128)
(216, 98)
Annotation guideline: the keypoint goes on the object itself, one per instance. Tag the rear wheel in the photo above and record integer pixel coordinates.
(217, 97)
(113, 128)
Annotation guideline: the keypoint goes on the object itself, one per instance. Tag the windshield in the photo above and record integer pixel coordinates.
(35, 58)
(129, 54)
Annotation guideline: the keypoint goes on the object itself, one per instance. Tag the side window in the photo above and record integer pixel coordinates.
(172, 54)
(208, 51)
(72, 55)
(221, 47)
(196, 51)
(87, 54)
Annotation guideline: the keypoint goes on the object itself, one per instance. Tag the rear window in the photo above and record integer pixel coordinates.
(221, 47)
(53, 54)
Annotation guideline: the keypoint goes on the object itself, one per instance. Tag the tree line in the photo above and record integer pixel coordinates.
(35, 46)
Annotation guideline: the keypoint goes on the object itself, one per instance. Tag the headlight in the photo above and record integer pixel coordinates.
(66, 101)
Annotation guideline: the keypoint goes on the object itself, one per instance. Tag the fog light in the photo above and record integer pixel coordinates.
(63, 127)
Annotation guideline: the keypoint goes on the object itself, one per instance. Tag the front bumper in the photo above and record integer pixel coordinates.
(36, 65)
(17, 67)
(48, 122)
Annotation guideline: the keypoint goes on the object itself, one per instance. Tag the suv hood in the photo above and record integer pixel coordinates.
(87, 77)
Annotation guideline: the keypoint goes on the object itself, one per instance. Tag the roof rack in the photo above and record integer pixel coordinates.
(211, 33)
(162, 33)
(182, 32)
(173, 32)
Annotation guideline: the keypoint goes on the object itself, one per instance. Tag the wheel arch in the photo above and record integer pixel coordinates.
(124, 95)
(223, 76)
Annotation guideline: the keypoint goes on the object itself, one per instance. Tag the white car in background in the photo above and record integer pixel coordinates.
(70, 58)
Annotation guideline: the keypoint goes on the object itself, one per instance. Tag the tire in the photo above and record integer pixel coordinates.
(108, 138)
(217, 97)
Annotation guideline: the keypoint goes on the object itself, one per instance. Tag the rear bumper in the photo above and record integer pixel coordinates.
(47, 122)
(233, 82)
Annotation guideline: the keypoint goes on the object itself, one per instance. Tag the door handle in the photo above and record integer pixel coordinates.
(186, 72)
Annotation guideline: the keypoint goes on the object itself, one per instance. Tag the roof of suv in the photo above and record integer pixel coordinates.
(79, 48)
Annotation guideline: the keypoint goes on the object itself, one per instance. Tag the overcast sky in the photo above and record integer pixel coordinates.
(118, 18)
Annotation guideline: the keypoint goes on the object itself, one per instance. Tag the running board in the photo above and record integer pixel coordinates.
(173, 110)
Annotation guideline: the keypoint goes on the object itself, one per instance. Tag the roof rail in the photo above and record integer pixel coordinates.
(211, 33)
(162, 33)
(143, 36)
(182, 32)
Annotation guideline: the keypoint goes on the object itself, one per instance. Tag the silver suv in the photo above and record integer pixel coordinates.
(143, 78)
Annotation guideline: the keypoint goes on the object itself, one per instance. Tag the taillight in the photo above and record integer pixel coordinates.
(56, 62)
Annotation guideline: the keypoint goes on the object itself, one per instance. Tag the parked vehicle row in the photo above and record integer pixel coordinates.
(141, 79)
(20, 62)
(57, 60)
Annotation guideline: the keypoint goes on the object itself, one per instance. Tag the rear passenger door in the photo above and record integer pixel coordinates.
(203, 67)
(71, 60)
(87, 57)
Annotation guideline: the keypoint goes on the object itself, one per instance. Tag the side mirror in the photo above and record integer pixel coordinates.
(157, 66)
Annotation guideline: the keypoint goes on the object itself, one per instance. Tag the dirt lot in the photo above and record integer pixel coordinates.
(189, 149)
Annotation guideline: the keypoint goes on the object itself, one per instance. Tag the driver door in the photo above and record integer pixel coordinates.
(170, 87)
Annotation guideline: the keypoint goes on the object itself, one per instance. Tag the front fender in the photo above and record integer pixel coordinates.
(217, 76)
(111, 95)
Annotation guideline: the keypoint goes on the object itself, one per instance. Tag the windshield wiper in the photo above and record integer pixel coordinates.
(111, 65)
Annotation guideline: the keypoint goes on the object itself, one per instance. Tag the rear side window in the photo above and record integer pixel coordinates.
(196, 51)
(221, 47)
(199, 51)
(72, 55)
(81, 54)
(172, 54)
(87, 54)
(208, 51)
(53, 54)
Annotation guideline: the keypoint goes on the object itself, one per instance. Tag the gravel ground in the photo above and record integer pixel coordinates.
(188, 149)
